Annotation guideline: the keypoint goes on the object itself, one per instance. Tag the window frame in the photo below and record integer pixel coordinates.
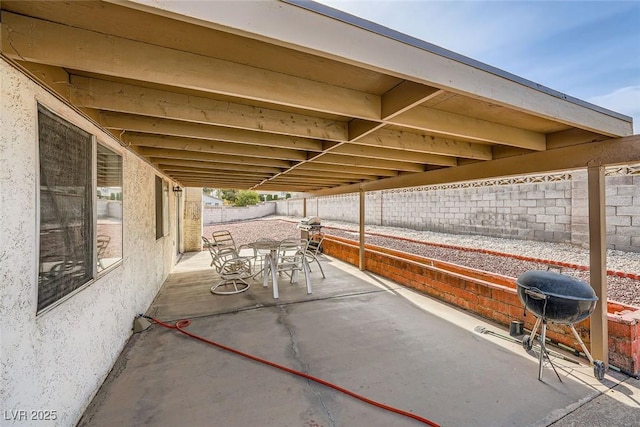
(161, 204)
(99, 142)
(94, 141)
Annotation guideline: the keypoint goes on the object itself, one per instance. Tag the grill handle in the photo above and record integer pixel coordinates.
(536, 293)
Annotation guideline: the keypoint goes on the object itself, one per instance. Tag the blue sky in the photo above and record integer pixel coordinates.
(586, 49)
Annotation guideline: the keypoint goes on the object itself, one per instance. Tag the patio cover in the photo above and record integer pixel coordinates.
(295, 96)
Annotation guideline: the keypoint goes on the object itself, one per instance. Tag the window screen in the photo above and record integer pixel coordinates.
(66, 210)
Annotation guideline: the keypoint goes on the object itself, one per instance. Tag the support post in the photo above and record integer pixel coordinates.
(304, 207)
(193, 219)
(362, 220)
(598, 262)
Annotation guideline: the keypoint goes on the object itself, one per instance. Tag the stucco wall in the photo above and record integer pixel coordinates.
(56, 361)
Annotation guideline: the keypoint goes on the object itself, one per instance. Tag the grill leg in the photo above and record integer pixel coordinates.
(535, 328)
(544, 353)
(584, 348)
(543, 349)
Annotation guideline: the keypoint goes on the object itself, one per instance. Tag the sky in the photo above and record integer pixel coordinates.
(586, 49)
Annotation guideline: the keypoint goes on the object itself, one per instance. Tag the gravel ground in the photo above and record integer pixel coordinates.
(620, 289)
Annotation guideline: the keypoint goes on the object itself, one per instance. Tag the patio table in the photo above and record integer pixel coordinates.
(270, 268)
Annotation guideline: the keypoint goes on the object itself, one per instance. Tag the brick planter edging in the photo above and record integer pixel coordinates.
(491, 296)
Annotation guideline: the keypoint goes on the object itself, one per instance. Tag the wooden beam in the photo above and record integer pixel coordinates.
(618, 151)
(358, 128)
(213, 174)
(405, 96)
(211, 165)
(307, 180)
(311, 166)
(355, 162)
(276, 187)
(54, 77)
(572, 136)
(326, 174)
(293, 26)
(94, 93)
(463, 127)
(393, 154)
(154, 125)
(202, 146)
(598, 262)
(165, 153)
(50, 43)
(422, 143)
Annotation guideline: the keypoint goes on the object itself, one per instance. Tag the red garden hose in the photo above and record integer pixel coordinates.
(181, 324)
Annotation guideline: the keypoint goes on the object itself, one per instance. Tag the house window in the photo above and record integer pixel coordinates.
(109, 207)
(66, 208)
(162, 207)
(80, 234)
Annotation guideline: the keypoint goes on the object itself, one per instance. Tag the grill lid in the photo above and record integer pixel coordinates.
(558, 285)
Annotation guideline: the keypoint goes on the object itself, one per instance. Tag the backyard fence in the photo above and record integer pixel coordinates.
(549, 208)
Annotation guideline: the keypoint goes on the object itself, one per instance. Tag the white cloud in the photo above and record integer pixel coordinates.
(625, 100)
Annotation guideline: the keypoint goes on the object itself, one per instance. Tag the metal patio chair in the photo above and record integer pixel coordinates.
(291, 260)
(232, 268)
(312, 250)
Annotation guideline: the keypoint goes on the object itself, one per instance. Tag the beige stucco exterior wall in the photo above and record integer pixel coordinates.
(56, 361)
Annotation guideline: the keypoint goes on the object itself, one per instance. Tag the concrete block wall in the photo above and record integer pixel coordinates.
(222, 214)
(528, 211)
(550, 208)
(623, 212)
(344, 207)
(622, 209)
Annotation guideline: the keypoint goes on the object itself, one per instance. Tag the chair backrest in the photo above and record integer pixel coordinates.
(291, 250)
(102, 243)
(223, 240)
(314, 245)
(206, 243)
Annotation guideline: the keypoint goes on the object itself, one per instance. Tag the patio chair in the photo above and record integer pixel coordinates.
(291, 260)
(259, 254)
(232, 268)
(313, 249)
(223, 239)
(102, 243)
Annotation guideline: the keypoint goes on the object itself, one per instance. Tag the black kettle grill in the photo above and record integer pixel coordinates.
(556, 298)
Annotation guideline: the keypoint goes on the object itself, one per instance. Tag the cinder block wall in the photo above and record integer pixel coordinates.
(547, 208)
(221, 214)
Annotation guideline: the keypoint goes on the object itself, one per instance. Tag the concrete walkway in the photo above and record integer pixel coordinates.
(357, 330)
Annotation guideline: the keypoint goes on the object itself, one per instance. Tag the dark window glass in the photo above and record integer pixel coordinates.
(66, 209)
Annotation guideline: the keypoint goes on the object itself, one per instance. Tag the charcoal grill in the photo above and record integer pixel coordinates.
(556, 298)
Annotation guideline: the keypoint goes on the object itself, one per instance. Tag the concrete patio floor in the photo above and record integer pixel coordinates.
(356, 330)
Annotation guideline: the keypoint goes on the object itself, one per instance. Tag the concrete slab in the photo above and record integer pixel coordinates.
(186, 292)
(356, 330)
